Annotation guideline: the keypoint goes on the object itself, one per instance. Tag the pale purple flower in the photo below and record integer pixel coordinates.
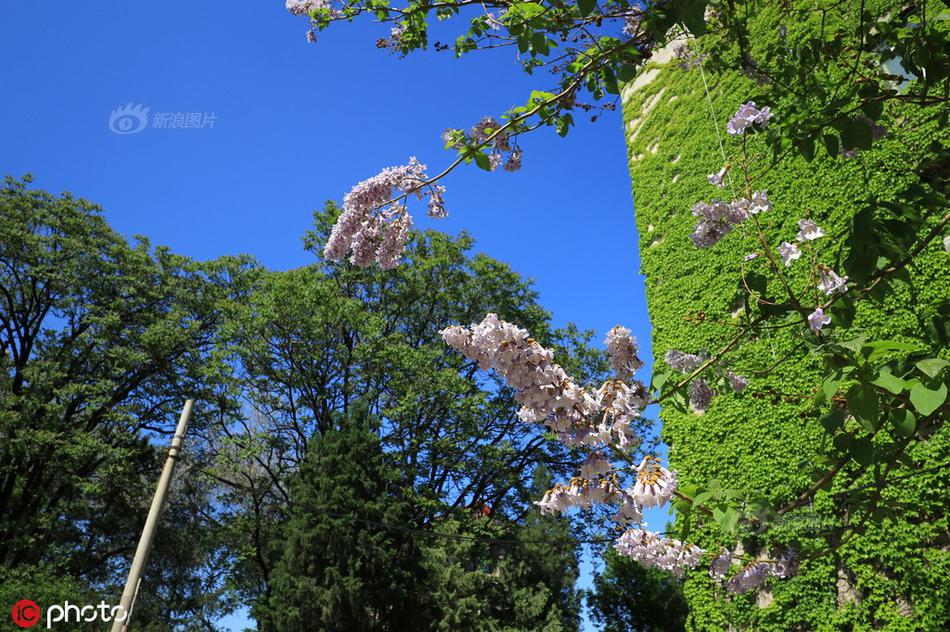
(437, 202)
(513, 163)
(829, 282)
(739, 210)
(494, 160)
(749, 578)
(700, 395)
(707, 233)
(622, 347)
(736, 381)
(682, 362)
(545, 391)
(746, 116)
(394, 241)
(484, 129)
(395, 36)
(817, 319)
(580, 493)
(628, 512)
(717, 219)
(755, 574)
(454, 138)
(718, 179)
(305, 7)
(759, 202)
(621, 403)
(809, 230)
(789, 252)
(720, 566)
(750, 256)
(361, 228)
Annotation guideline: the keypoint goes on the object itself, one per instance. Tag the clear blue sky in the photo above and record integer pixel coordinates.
(297, 124)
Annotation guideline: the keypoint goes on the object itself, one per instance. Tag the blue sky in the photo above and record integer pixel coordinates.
(296, 124)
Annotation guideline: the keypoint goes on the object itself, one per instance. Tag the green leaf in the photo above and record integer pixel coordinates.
(832, 420)
(528, 9)
(843, 312)
(481, 159)
(806, 147)
(586, 6)
(830, 141)
(862, 402)
(830, 386)
(854, 345)
(926, 400)
(659, 379)
(693, 15)
(903, 420)
(855, 134)
(730, 520)
(861, 450)
(841, 442)
(931, 367)
(878, 349)
(889, 382)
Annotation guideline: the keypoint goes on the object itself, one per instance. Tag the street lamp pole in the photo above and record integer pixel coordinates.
(151, 524)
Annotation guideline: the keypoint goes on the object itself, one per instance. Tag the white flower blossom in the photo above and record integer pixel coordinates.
(655, 484)
(652, 550)
(829, 282)
(622, 347)
(809, 230)
(718, 179)
(595, 466)
(760, 202)
(547, 394)
(789, 252)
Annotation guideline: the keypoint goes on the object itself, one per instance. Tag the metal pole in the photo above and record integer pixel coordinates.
(151, 524)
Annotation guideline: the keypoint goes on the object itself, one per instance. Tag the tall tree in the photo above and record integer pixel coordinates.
(628, 597)
(311, 341)
(100, 342)
(341, 567)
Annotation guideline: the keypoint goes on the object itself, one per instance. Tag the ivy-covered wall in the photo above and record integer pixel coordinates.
(897, 574)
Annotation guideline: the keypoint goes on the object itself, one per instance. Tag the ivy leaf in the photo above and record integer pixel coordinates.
(903, 420)
(926, 400)
(931, 367)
